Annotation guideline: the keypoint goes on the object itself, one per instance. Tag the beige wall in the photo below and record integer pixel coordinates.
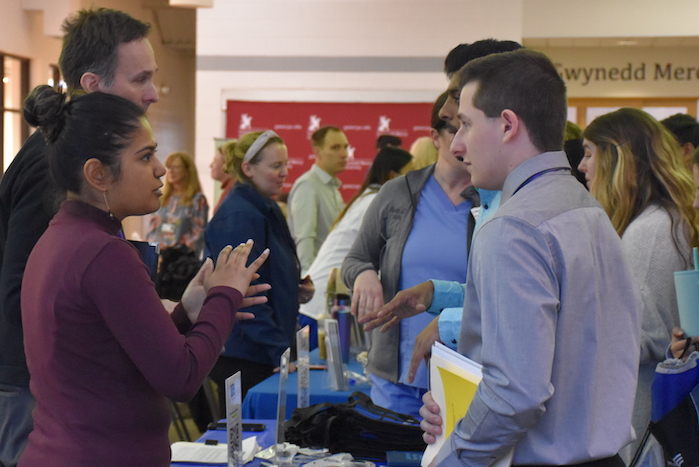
(609, 18)
(332, 51)
(295, 49)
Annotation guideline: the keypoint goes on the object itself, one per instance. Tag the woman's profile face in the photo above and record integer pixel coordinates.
(588, 164)
(176, 171)
(269, 173)
(442, 140)
(137, 190)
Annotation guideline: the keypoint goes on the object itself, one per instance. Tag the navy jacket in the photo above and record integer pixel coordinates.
(246, 214)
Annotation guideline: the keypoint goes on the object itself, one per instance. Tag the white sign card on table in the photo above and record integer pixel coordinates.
(336, 370)
(234, 420)
(281, 400)
(303, 362)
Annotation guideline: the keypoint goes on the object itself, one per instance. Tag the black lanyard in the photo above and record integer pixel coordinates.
(538, 174)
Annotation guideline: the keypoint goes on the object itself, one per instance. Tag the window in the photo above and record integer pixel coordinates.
(15, 87)
(584, 110)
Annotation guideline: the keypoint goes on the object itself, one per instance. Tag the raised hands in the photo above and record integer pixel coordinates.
(195, 293)
(231, 271)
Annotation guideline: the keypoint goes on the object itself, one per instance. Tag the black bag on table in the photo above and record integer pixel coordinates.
(178, 266)
(675, 411)
(678, 431)
(358, 426)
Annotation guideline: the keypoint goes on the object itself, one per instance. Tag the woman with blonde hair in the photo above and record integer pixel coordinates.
(633, 167)
(183, 212)
(250, 212)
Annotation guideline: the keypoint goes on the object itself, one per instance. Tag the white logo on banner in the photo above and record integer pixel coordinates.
(314, 123)
(384, 123)
(350, 153)
(245, 122)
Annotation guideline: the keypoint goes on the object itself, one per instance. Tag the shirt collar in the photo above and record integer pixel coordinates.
(325, 177)
(530, 167)
(81, 209)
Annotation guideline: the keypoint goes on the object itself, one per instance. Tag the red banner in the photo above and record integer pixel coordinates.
(361, 122)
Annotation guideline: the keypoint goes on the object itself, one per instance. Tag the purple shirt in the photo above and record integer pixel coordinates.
(102, 352)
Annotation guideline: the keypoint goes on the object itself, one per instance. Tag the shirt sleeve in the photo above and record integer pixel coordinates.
(371, 239)
(304, 226)
(118, 285)
(518, 299)
(447, 294)
(449, 323)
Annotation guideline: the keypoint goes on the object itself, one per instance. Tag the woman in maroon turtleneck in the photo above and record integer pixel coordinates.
(102, 352)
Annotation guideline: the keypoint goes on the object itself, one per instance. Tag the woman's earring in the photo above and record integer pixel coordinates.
(109, 211)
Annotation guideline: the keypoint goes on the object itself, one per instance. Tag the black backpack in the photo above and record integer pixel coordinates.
(357, 426)
(178, 266)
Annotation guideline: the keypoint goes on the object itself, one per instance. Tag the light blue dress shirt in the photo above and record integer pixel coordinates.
(553, 315)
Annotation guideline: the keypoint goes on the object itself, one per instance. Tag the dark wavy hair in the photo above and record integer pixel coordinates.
(464, 53)
(91, 40)
(95, 125)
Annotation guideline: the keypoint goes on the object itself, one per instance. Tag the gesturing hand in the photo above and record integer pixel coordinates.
(231, 271)
(406, 303)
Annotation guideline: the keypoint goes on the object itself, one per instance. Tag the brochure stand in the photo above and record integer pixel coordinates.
(336, 369)
(234, 420)
(303, 363)
(281, 403)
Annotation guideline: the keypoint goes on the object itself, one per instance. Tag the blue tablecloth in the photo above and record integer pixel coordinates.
(261, 400)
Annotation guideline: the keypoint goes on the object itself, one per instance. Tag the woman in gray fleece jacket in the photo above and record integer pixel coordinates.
(395, 247)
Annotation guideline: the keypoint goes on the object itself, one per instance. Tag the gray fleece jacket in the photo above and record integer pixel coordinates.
(379, 246)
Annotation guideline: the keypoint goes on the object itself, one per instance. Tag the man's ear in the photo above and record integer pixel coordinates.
(97, 175)
(434, 134)
(510, 125)
(90, 82)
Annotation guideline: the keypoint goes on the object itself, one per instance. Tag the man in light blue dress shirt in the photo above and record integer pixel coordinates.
(551, 310)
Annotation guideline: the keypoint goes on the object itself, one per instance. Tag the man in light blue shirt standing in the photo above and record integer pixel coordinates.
(315, 200)
(551, 310)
